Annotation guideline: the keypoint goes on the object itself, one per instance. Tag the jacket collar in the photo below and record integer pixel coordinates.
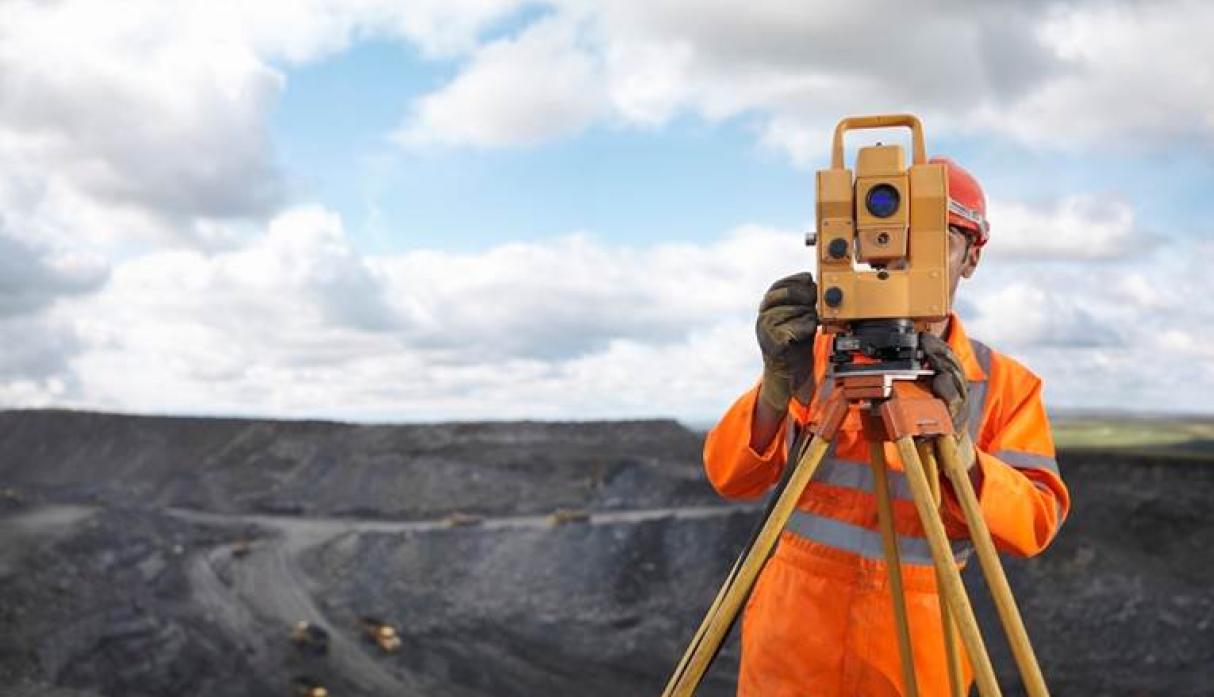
(959, 342)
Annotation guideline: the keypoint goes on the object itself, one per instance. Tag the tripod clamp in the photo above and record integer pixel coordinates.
(899, 405)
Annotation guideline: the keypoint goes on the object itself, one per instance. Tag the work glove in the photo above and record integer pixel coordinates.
(788, 320)
(949, 384)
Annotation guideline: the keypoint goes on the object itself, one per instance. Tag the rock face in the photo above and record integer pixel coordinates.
(1121, 603)
(333, 469)
(164, 556)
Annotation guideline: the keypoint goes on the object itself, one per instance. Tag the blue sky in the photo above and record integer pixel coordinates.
(502, 209)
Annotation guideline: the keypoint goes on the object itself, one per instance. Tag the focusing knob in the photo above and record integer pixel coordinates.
(833, 296)
(837, 248)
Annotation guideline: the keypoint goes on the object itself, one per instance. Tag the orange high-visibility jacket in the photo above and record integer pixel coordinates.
(820, 619)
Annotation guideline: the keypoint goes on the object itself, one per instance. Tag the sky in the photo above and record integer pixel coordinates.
(376, 210)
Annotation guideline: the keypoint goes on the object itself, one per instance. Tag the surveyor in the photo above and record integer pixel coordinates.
(820, 618)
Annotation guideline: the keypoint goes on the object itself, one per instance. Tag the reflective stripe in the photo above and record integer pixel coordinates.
(977, 390)
(977, 404)
(1028, 461)
(867, 543)
(983, 353)
(859, 475)
(968, 213)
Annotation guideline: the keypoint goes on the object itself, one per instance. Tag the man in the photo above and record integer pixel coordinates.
(820, 619)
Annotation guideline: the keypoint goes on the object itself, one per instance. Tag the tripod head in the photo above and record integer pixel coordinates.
(876, 345)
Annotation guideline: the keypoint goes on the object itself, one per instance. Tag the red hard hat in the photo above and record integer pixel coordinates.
(966, 202)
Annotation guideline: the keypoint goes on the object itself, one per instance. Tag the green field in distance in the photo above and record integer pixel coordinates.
(1192, 434)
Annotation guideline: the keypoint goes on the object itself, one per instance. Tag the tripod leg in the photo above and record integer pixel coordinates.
(797, 450)
(930, 468)
(928, 456)
(889, 540)
(952, 590)
(951, 654)
(716, 625)
(992, 570)
(703, 628)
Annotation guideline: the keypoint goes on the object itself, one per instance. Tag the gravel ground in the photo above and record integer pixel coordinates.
(154, 556)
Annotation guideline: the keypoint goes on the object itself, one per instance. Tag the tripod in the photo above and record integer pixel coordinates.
(898, 409)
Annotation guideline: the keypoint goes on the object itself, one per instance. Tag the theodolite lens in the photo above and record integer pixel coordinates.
(882, 200)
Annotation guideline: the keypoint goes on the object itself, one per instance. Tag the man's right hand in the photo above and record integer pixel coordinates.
(788, 320)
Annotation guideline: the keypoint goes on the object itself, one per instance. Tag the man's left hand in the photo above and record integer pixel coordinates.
(949, 384)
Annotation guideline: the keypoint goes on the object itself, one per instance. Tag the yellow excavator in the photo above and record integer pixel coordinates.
(381, 633)
(309, 687)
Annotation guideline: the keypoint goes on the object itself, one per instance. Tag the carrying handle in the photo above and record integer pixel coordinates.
(856, 123)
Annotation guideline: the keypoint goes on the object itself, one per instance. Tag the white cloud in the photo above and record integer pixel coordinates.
(1077, 227)
(145, 123)
(1035, 313)
(1131, 72)
(296, 323)
(36, 357)
(806, 146)
(574, 295)
(131, 110)
(1064, 75)
(1125, 333)
(302, 30)
(645, 79)
(531, 88)
(33, 274)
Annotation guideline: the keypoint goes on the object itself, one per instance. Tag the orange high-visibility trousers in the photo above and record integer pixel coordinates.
(820, 619)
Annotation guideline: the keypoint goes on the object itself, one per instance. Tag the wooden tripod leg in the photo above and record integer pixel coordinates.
(930, 468)
(703, 628)
(724, 590)
(952, 590)
(952, 657)
(992, 569)
(716, 624)
(889, 540)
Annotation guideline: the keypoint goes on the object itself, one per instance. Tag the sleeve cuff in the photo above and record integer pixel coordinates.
(734, 468)
(775, 447)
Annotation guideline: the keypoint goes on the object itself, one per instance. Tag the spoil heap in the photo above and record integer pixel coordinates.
(166, 556)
